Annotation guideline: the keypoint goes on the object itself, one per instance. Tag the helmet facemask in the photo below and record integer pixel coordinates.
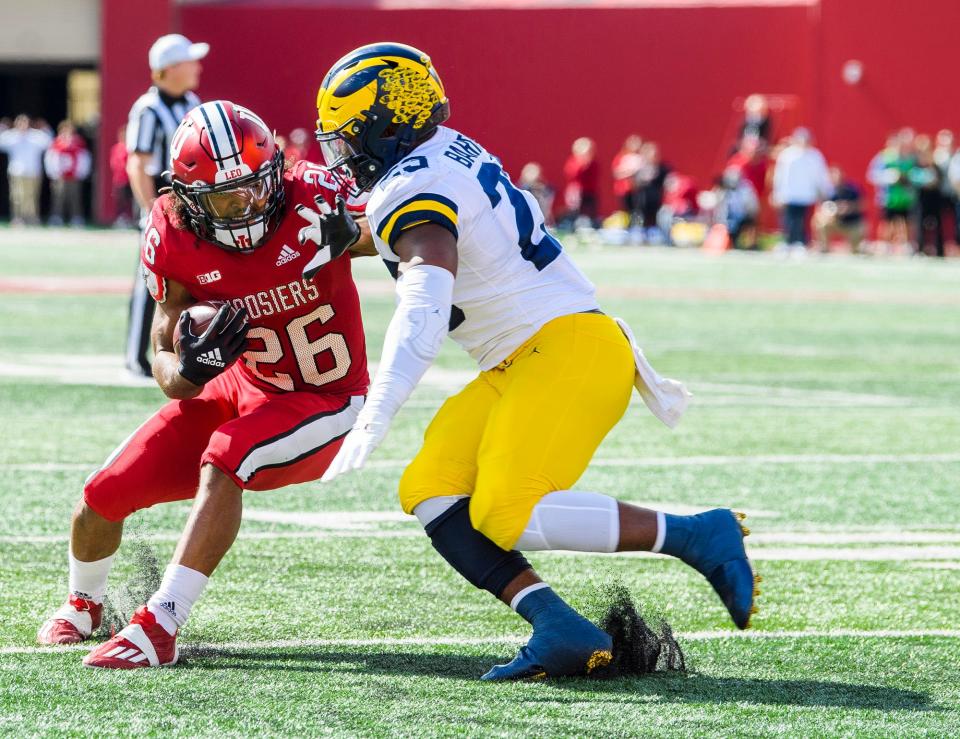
(360, 152)
(237, 214)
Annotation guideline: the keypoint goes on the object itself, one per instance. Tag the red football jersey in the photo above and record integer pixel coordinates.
(304, 335)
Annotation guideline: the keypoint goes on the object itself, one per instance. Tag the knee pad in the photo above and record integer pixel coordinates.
(481, 562)
(426, 478)
(502, 517)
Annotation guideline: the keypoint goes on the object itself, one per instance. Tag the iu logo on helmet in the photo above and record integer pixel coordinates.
(243, 241)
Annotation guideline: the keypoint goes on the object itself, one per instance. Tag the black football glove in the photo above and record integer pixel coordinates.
(204, 357)
(333, 231)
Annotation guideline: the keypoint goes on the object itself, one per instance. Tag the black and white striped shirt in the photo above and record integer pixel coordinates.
(153, 119)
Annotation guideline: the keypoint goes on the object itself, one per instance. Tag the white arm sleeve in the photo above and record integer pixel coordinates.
(413, 339)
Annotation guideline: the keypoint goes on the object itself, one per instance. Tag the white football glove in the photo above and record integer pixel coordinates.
(333, 231)
(359, 444)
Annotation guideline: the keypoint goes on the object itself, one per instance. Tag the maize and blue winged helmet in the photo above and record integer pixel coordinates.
(374, 106)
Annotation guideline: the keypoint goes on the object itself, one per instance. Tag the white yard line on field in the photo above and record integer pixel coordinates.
(881, 545)
(108, 370)
(49, 466)
(713, 460)
(707, 460)
(813, 554)
(428, 641)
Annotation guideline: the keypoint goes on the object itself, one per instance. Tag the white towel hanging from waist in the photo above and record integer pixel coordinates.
(667, 399)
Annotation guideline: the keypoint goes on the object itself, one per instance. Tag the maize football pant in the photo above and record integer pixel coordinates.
(527, 427)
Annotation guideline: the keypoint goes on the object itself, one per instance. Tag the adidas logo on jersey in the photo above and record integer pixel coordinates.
(212, 357)
(287, 255)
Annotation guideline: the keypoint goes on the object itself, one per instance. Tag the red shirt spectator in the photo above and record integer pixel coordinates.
(752, 163)
(582, 177)
(118, 165)
(120, 181)
(680, 195)
(68, 158)
(624, 167)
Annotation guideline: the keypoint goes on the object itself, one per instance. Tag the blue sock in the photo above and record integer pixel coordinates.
(677, 535)
(543, 604)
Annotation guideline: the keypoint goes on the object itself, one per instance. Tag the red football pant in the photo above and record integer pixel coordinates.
(262, 440)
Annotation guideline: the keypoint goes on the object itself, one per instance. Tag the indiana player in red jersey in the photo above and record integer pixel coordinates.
(262, 398)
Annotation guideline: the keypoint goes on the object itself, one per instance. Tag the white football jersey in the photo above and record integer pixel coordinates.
(512, 275)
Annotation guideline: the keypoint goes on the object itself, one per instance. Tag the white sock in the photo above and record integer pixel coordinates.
(176, 595)
(661, 532)
(515, 601)
(574, 520)
(88, 580)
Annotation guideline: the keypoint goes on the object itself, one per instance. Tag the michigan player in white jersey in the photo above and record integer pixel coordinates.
(473, 259)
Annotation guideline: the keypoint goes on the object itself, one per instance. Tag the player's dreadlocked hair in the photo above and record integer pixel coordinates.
(638, 649)
(176, 210)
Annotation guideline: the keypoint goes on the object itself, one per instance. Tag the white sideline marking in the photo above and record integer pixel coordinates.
(692, 461)
(811, 554)
(752, 459)
(48, 466)
(496, 640)
(108, 370)
(338, 520)
(854, 537)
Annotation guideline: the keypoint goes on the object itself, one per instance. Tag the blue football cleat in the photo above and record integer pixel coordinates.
(564, 643)
(712, 543)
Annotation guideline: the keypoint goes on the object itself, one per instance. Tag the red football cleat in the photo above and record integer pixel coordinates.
(73, 622)
(144, 643)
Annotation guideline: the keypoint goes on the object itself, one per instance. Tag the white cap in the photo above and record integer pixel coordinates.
(173, 49)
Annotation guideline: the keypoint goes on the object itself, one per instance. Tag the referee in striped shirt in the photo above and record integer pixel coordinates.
(175, 69)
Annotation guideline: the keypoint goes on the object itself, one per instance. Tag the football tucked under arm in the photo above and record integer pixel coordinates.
(178, 342)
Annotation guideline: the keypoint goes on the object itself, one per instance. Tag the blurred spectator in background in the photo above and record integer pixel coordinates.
(531, 179)
(841, 214)
(737, 207)
(625, 167)
(953, 178)
(580, 189)
(679, 203)
(298, 145)
(753, 163)
(899, 195)
(876, 178)
(67, 164)
(926, 178)
(756, 121)
(649, 193)
(942, 156)
(24, 145)
(120, 182)
(800, 180)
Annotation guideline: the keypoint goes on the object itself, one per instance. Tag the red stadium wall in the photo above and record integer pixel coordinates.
(526, 82)
(127, 29)
(908, 51)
